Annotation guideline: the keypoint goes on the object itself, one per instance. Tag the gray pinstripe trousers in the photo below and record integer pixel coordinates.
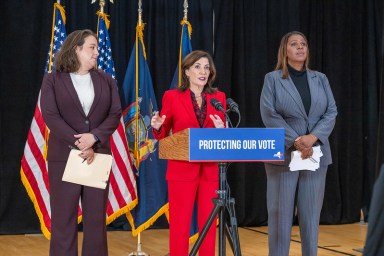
(281, 189)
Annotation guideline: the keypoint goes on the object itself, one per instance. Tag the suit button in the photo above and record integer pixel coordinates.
(86, 122)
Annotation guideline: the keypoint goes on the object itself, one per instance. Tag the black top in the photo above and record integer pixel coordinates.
(300, 80)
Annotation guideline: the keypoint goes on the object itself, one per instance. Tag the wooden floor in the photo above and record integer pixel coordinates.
(333, 240)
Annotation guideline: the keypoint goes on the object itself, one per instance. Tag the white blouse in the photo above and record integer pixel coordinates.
(84, 88)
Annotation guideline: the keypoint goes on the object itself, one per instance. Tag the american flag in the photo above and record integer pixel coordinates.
(105, 61)
(122, 190)
(34, 174)
(59, 35)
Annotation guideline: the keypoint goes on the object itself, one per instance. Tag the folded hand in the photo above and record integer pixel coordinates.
(88, 155)
(306, 153)
(305, 141)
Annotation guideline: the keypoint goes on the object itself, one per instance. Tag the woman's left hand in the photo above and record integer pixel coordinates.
(306, 153)
(217, 121)
(88, 155)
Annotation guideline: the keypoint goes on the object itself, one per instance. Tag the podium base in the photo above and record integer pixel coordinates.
(138, 253)
(225, 208)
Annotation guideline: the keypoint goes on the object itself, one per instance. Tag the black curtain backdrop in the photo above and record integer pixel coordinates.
(346, 43)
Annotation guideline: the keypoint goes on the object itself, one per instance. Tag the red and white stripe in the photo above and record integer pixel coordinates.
(122, 190)
(34, 171)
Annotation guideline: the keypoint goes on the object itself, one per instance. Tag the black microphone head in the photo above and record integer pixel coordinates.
(232, 105)
(217, 104)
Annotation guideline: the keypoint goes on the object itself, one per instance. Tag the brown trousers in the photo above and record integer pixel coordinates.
(64, 199)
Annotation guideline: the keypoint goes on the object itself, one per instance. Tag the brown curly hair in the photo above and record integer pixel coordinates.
(66, 58)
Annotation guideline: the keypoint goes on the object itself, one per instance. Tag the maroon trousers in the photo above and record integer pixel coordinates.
(64, 200)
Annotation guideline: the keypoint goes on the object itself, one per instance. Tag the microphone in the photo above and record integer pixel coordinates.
(232, 105)
(217, 105)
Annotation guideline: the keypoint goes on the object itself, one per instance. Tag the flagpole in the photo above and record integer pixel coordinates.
(102, 4)
(136, 146)
(138, 251)
(185, 19)
(185, 5)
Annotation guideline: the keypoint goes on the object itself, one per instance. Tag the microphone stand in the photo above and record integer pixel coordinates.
(225, 207)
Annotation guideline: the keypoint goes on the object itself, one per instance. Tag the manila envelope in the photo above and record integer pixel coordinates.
(80, 172)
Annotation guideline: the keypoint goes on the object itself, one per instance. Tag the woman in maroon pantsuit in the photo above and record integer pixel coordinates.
(81, 108)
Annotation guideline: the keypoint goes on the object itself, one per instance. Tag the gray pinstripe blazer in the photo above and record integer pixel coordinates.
(281, 106)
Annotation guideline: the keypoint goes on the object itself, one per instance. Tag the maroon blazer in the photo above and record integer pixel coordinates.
(64, 115)
(178, 108)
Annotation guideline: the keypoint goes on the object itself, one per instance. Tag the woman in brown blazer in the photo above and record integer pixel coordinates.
(81, 108)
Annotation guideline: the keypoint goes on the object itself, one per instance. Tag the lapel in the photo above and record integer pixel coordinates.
(186, 101)
(314, 90)
(72, 92)
(291, 89)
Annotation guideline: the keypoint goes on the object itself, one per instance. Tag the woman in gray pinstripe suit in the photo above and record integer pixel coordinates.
(301, 101)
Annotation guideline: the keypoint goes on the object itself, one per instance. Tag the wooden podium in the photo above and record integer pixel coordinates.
(175, 147)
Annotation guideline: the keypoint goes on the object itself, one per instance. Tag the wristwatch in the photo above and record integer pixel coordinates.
(96, 139)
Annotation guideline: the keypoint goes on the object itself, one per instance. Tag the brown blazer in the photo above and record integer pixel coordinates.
(64, 115)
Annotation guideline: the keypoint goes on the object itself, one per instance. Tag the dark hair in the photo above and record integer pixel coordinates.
(282, 59)
(66, 58)
(188, 61)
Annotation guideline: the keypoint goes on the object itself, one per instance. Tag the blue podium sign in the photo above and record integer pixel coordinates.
(236, 144)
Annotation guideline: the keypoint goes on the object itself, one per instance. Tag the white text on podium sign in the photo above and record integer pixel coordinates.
(237, 144)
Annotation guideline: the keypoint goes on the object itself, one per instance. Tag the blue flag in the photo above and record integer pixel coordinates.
(185, 49)
(139, 102)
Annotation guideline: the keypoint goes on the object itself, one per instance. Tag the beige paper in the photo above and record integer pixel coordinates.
(95, 174)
